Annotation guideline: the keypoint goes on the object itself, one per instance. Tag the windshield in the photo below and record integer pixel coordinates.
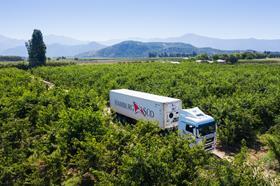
(207, 129)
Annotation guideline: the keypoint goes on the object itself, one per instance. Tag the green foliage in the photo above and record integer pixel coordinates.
(66, 136)
(233, 59)
(11, 58)
(202, 57)
(238, 172)
(272, 139)
(36, 49)
(19, 65)
(244, 99)
(60, 63)
(25, 66)
(135, 49)
(247, 55)
(223, 172)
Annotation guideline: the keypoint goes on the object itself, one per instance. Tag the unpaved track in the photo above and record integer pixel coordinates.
(222, 155)
(49, 85)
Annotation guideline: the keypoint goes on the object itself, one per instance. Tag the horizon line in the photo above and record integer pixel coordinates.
(142, 38)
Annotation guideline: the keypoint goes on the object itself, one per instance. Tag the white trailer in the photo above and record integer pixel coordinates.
(144, 106)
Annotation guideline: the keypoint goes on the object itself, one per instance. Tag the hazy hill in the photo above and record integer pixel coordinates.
(6, 42)
(129, 49)
(63, 40)
(55, 50)
(66, 46)
(16, 51)
(225, 44)
(56, 46)
(66, 50)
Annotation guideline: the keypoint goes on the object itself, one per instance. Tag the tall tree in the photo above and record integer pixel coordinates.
(36, 49)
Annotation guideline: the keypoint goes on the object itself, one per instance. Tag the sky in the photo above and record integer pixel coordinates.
(102, 20)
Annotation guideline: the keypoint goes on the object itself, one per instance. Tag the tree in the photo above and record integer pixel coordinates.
(202, 57)
(152, 54)
(36, 49)
(215, 57)
(232, 59)
(11, 58)
(272, 139)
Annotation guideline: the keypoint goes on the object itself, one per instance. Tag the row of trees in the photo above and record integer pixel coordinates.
(243, 100)
(65, 136)
(11, 58)
(272, 139)
(270, 54)
(234, 57)
(229, 58)
(248, 55)
(165, 54)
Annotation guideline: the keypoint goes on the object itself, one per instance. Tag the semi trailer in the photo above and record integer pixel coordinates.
(167, 112)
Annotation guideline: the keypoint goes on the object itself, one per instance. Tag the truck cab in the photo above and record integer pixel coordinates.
(201, 126)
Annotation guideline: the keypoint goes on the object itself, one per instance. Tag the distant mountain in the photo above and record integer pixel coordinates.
(6, 42)
(66, 46)
(222, 44)
(11, 44)
(55, 50)
(131, 49)
(62, 40)
(16, 51)
(225, 44)
(116, 41)
(56, 46)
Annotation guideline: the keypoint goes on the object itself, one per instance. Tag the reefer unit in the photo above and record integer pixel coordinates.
(144, 106)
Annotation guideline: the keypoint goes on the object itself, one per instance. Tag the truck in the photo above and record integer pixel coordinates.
(167, 112)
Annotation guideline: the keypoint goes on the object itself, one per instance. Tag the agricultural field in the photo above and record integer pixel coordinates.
(64, 134)
(261, 61)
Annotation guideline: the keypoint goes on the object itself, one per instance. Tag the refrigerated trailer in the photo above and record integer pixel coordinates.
(167, 112)
(140, 105)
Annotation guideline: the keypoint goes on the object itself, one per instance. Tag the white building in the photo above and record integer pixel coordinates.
(174, 62)
(221, 61)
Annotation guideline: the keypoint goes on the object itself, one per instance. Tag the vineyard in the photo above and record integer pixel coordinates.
(65, 135)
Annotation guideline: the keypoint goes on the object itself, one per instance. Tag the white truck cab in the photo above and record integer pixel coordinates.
(196, 123)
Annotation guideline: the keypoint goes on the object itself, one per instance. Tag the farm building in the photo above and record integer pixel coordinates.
(221, 61)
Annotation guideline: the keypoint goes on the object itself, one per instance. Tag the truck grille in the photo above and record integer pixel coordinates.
(208, 147)
(209, 144)
(209, 140)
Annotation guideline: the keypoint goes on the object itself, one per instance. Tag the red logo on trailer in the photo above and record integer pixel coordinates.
(146, 112)
(137, 108)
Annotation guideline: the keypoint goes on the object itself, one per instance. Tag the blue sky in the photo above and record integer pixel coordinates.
(113, 19)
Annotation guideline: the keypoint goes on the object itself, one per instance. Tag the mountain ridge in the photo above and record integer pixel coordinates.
(67, 46)
(6, 42)
(225, 44)
(132, 49)
(56, 46)
(56, 50)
